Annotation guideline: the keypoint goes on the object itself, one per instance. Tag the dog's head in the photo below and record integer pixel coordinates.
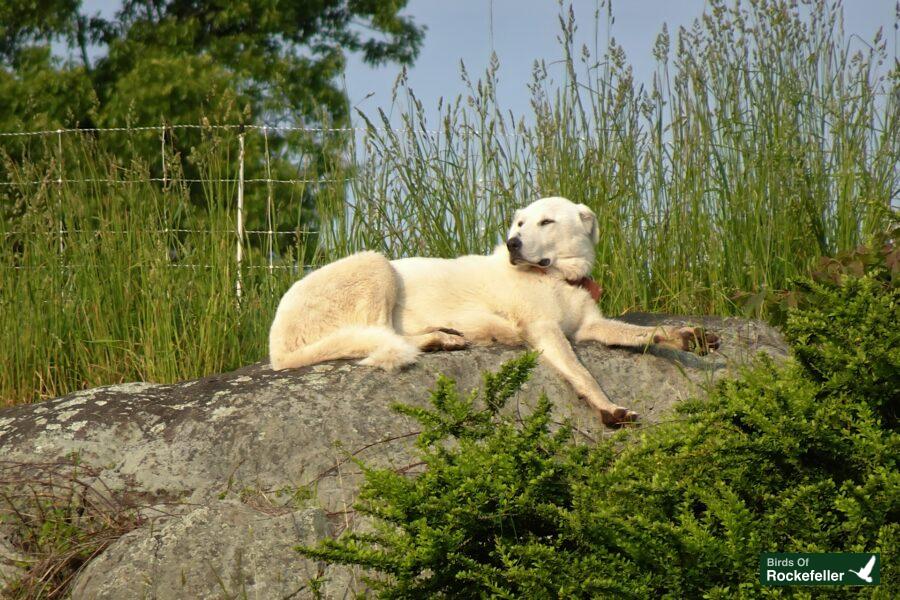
(554, 234)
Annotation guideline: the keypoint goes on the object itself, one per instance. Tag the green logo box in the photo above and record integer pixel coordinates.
(827, 568)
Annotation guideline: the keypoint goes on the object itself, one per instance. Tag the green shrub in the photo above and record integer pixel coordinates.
(846, 333)
(788, 458)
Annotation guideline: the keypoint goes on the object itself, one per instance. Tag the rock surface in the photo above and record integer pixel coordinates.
(229, 455)
(234, 550)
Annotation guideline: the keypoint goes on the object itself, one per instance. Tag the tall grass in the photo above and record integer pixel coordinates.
(765, 140)
(120, 278)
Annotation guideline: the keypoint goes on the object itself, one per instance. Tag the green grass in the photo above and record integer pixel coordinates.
(761, 144)
(141, 284)
(765, 141)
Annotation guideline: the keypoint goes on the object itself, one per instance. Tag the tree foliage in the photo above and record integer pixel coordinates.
(277, 60)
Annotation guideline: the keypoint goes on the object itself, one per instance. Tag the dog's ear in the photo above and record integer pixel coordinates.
(589, 221)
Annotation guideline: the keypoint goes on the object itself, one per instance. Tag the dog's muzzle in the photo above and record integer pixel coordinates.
(514, 245)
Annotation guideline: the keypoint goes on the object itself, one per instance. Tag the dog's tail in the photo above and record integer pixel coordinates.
(377, 346)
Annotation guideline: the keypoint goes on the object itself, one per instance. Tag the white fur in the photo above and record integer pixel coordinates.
(385, 312)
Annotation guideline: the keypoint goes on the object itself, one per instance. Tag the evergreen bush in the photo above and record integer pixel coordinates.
(799, 457)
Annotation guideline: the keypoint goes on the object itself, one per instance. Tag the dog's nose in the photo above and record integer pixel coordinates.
(514, 243)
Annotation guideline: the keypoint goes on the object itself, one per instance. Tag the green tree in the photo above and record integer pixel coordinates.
(276, 61)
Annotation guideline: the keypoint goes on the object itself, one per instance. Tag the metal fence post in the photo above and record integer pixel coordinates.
(59, 194)
(162, 158)
(270, 206)
(240, 215)
(162, 152)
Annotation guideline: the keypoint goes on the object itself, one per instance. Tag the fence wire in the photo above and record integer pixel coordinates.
(56, 178)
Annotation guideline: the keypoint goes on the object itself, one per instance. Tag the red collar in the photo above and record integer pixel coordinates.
(592, 287)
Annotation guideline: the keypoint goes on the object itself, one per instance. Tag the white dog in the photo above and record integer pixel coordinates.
(535, 290)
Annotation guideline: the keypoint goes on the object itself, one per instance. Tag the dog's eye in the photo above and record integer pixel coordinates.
(546, 222)
(521, 223)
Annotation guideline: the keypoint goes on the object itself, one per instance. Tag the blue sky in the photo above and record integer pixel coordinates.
(526, 30)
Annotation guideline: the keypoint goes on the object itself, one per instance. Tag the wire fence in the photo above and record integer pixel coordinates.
(163, 130)
(475, 185)
(56, 178)
(54, 175)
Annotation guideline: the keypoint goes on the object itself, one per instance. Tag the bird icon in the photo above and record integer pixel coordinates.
(864, 573)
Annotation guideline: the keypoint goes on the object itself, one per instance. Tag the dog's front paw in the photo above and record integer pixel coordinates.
(618, 416)
(689, 339)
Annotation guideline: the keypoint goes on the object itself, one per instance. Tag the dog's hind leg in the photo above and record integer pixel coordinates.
(485, 329)
(343, 310)
(378, 346)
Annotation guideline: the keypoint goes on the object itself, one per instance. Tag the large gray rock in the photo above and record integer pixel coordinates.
(254, 431)
(224, 549)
